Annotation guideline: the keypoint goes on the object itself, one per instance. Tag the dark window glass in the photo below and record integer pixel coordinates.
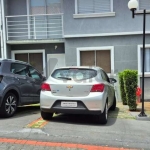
(33, 73)
(104, 76)
(75, 74)
(19, 69)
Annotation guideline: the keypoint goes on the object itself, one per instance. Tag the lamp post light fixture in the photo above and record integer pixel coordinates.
(133, 5)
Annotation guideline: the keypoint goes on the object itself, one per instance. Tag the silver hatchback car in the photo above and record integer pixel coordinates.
(78, 90)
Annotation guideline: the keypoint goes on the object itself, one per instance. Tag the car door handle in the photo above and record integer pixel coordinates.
(28, 81)
(17, 78)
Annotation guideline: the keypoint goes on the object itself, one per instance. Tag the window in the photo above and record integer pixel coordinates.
(94, 6)
(101, 58)
(74, 73)
(104, 76)
(35, 59)
(45, 6)
(144, 4)
(147, 59)
(19, 69)
(33, 73)
(97, 56)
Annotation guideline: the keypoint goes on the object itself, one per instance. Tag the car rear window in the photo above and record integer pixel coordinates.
(74, 74)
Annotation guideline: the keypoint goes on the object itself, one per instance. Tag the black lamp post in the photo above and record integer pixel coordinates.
(133, 4)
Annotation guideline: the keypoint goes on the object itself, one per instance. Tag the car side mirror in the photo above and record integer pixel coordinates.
(112, 80)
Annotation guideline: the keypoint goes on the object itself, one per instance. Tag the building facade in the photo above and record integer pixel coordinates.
(53, 33)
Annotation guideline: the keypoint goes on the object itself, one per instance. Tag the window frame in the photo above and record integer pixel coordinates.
(31, 51)
(139, 59)
(36, 71)
(18, 64)
(139, 10)
(28, 4)
(105, 14)
(111, 48)
(105, 76)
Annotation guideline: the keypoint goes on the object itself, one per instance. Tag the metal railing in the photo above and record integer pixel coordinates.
(26, 27)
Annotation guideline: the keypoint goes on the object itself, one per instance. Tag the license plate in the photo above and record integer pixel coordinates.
(68, 104)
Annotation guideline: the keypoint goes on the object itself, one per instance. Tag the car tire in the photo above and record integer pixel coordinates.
(102, 118)
(113, 107)
(9, 105)
(104, 115)
(46, 115)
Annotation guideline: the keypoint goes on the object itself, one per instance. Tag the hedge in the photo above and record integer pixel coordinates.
(122, 90)
(130, 85)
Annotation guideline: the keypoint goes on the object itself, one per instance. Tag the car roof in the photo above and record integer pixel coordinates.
(13, 60)
(82, 67)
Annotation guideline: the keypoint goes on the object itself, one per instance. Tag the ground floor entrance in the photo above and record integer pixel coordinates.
(34, 57)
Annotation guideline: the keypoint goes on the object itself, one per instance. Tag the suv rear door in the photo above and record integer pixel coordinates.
(25, 87)
(36, 79)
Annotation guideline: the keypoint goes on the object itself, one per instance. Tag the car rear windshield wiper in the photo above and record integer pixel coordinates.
(64, 78)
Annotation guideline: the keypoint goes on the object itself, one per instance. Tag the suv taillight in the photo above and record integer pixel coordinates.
(1, 77)
(98, 88)
(45, 87)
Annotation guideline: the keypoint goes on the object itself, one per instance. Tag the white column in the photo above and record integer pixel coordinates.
(2, 49)
(28, 17)
(3, 29)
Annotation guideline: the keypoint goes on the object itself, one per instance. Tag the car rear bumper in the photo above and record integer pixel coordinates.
(92, 104)
(71, 111)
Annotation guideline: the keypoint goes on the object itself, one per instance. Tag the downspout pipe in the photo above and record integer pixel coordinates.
(1, 34)
(3, 29)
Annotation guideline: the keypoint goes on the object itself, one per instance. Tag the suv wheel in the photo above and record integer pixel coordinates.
(46, 115)
(9, 105)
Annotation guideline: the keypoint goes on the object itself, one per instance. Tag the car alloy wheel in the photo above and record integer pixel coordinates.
(10, 105)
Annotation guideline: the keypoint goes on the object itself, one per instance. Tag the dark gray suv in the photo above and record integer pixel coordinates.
(20, 84)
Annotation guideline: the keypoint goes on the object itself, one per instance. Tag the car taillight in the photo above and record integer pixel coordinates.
(45, 87)
(1, 77)
(98, 88)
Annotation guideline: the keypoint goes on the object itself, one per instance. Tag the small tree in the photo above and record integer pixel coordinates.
(122, 89)
(130, 85)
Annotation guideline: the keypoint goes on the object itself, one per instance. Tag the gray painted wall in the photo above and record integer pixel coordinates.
(125, 53)
(122, 22)
(125, 49)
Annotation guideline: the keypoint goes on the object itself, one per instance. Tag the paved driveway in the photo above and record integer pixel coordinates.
(122, 130)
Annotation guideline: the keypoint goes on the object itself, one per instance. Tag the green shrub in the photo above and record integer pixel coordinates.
(122, 90)
(130, 86)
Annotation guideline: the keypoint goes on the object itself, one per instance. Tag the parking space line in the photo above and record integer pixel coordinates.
(62, 145)
(39, 123)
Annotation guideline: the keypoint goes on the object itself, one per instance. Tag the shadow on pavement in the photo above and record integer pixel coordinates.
(25, 111)
(83, 119)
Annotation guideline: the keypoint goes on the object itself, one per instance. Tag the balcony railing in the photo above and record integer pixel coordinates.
(31, 27)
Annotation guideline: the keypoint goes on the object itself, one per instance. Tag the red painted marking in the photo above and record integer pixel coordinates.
(64, 145)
